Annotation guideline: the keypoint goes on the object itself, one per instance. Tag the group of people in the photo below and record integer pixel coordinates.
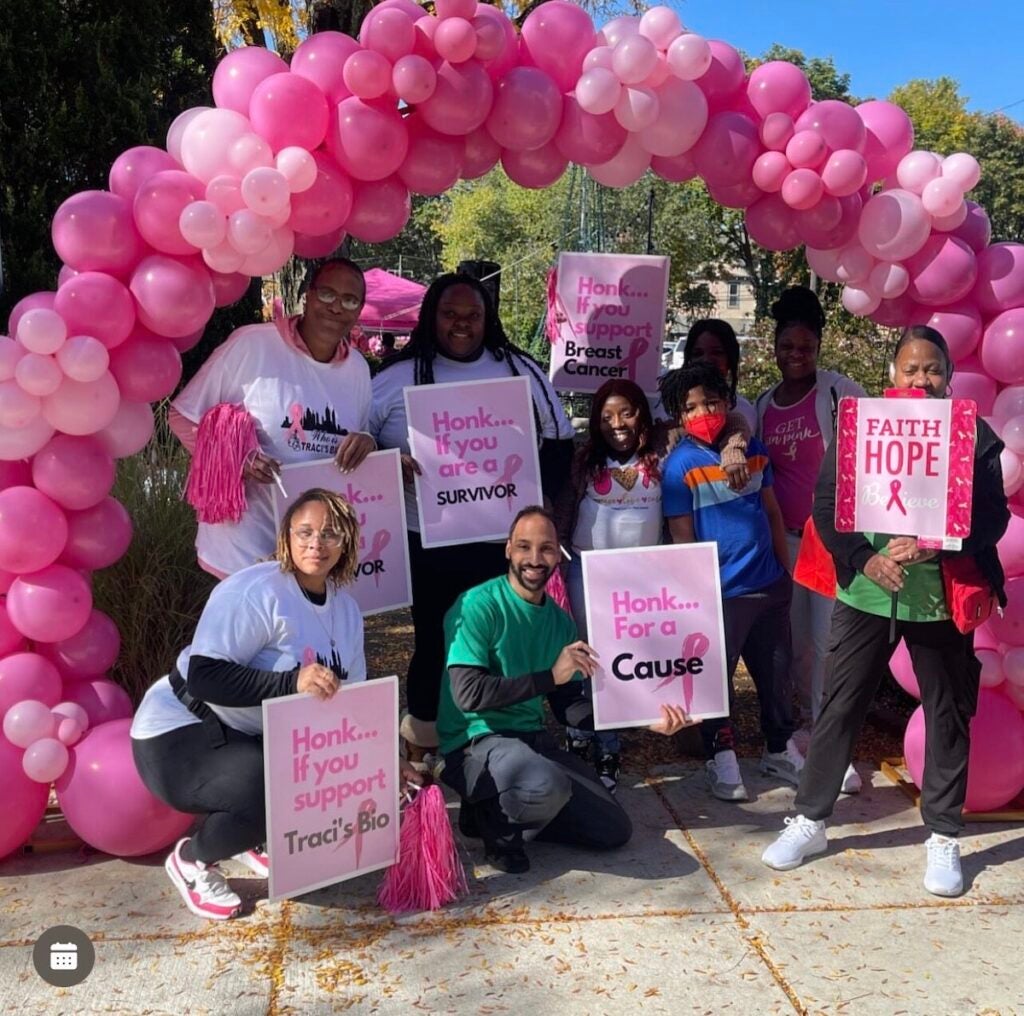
(490, 643)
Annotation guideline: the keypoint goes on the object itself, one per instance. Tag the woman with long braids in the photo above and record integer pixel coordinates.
(458, 337)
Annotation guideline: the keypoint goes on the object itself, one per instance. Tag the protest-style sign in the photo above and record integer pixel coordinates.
(905, 467)
(374, 489)
(331, 784)
(655, 619)
(476, 444)
(609, 312)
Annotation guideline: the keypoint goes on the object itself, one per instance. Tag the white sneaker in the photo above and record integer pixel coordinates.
(203, 887)
(723, 776)
(256, 861)
(802, 837)
(786, 765)
(943, 876)
(851, 781)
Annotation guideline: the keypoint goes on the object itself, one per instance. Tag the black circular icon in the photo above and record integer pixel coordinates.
(63, 956)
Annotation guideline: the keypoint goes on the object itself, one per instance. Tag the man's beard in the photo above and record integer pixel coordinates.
(532, 584)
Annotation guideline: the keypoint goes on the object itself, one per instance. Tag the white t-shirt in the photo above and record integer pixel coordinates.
(259, 617)
(390, 428)
(301, 409)
(619, 509)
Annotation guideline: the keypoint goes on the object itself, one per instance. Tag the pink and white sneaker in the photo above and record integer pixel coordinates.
(203, 887)
(256, 860)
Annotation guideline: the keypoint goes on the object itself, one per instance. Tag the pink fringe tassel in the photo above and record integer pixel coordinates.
(429, 873)
(557, 591)
(226, 438)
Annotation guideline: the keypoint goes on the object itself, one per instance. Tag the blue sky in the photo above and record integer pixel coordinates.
(884, 43)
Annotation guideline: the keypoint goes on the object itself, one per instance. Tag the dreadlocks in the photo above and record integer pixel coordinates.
(677, 384)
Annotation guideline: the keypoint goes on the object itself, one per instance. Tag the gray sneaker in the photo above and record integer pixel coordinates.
(724, 779)
(786, 765)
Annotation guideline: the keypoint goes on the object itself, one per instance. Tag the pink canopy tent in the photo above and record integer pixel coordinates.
(392, 303)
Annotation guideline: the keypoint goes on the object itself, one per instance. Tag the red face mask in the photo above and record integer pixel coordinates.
(706, 428)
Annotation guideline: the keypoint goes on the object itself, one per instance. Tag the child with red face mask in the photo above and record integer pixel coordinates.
(700, 506)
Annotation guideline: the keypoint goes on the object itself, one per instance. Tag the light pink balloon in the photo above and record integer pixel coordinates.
(584, 138)
(522, 89)
(38, 375)
(69, 731)
(1013, 473)
(42, 331)
(27, 676)
(173, 297)
(618, 28)
(637, 109)
(33, 530)
(461, 100)
(71, 711)
(661, 25)
(960, 325)
(96, 304)
(682, 117)
(859, 301)
(44, 760)
(28, 721)
(855, 264)
(147, 368)
(824, 263)
(225, 192)
(94, 231)
(917, 169)
(536, 168)
(625, 167)
(948, 223)
(50, 604)
(806, 149)
(1000, 284)
(18, 407)
(82, 407)
(298, 167)
(288, 110)
(598, 90)
(844, 172)
(942, 197)
(390, 32)
(238, 74)
(962, 169)
(273, 257)
(689, 57)
(98, 536)
(434, 162)
(942, 271)
(202, 224)
(368, 74)
(482, 153)
(369, 141)
(771, 223)
(889, 137)
(724, 78)
(175, 133)
(265, 191)
(318, 246)
(23, 306)
(246, 152)
(321, 57)
(76, 472)
(779, 87)
(208, 139)
(661, 73)
(970, 381)
(633, 59)
(727, 150)
(556, 36)
(380, 210)
(102, 699)
(10, 353)
(894, 225)
(802, 189)
(414, 79)
(23, 442)
(890, 280)
(455, 40)
(1002, 347)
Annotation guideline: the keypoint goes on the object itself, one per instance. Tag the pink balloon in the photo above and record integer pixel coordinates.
(1012, 433)
(248, 232)
(388, 31)
(481, 153)
(42, 331)
(147, 368)
(497, 41)
(94, 231)
(1013, 668)
(661, 25)
(83, 358)
(461, 100)
(227, 288)
(633, 59)
(266, 192)
(159, 202)
(802, 189)
(380, 210)
(434, 162)
(724, 78)
(525, 88)
(273, 257)
(15, 474)
(584, 138)
(414, 79)
(556, 36)
(238, 74)
(173, 297)
(33, 530)
(1000, 283)
(1002, 347)
(369, 141)
(105, 801)
(321, 57)
(10, 353)
(23, 306)
(102, 699)
(824, 262)
(776, 131)
(28, 676)
(318, 246)
(917, 169)
(947, 223)
(819, 227)
(942, 271)
(894, 225)
(779, 87)
(38, 375)
(889, 136)
(176, 132)
(368, 74)
(844, 172)
(69, 731)
(50, 604)
(770, 170)
(91, 651)
(970, 382)
(637, 108)
(855, 264)
(132, 168)
(491, 41)
(598, 91)
(225, 193)
(96, 304)
(455, 40)
(995, 772)
(288, 109)
(689, 56)
(942, 197)
(18, 408)
(1013, 476)
(208, 141)
(323, 208)
(859, 301)
(771, 223)
(98, 536)
(24, 800)
(129, 431)
(536, 168)
(737, 195)
(625, 167)
(28, 721)
(11, 640)
(71, 711)
(837, 122)
(202, 224)
(960, 325)
(889, 280)
(618, 28)
(903, 670)
(962, 169)
(1009, 628)
(23, 442)
(806, 149)
(682, 117)
(976, 229)
(82, 407)
(727, 150)
(76, 472)
(898, 312)
(298, 167)
(44, 760)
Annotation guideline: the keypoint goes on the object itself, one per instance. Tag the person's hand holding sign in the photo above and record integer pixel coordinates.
(673, 719)
(885, 573)
(575, 656)
(904, 550)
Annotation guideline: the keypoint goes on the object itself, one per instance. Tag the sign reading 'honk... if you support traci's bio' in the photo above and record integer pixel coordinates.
(609, 316)
(476, 446)
(905, 466)
(655, 618)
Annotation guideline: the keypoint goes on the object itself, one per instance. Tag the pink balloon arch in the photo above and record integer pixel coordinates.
(290, 158)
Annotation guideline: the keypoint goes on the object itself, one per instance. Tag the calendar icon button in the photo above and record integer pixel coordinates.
(63, 956)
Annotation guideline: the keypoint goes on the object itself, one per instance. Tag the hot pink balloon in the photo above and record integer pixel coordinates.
(497, 41)
(481, 153)
(1002, 347)
(228, 289)
(584, 138)
(173, 297)
(389, 31)
(133, 167)
(288, 109)
(38, 375)
(455, 40)
(238, 74)
(50, 604)
(802, 189)
(536, 168)
(28, 721)
(24, 800)
(28, 676)
(76, 472)
(889, 136)
(894, 225)
(525, 88)
(89, 652)
(771, 223)
(598, 90)
(844, 172)
(682, 117)
(414, 79)
(779, 87)
(369, 141)
(770, 170)
(159, 202)
(491, 41)
(727, 150)
(461, 100)
(15, 474)
(82, 407)
(1000, 284)
(83, 358)
(776, 131)
(976, 229)
(94, 231)
(368, 74)
(323, 208)
(434, 162)
(129, 431)
(96, 304)
(556, 36)
(689, 57)
(380, 209)
(44, 760)
(806, 149)
(321, 57)
(147, 368)
(98, 536)
(724, 78)
(33, 530)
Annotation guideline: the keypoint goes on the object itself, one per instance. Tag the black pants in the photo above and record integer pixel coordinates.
(757, 628)
(439, 576)
(225, 783)
(947, 672)
(524, 783)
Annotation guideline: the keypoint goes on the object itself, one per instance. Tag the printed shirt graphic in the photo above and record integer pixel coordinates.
(694, 483)
(301, 409)
(260, 618)
(792, 436)
(620, 508)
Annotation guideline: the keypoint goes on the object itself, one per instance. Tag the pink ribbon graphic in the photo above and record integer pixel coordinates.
(308, 656)
(368, 807)
(380, 540)
(894, 489)
(695, 644)
(637, 348)
(296, 428)
(512, 466)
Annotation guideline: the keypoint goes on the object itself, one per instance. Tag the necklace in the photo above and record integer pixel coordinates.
(327, 594)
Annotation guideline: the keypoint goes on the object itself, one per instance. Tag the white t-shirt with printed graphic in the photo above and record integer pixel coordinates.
(259, 617)
(301, 408)
(620, 508)
(390, 428)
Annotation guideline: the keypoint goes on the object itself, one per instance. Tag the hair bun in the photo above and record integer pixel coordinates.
(799, 304)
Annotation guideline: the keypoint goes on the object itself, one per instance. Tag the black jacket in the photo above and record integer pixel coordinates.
(990, 516)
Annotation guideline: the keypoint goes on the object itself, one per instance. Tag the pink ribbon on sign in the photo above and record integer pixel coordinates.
(512, 466)
(556, 314)
(296, 428)
(637, 348)
(894, 490)
(308, 656)
(380, 540)
(368, 807)
(695, 644)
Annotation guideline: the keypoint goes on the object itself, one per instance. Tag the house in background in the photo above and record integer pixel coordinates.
(733, 296)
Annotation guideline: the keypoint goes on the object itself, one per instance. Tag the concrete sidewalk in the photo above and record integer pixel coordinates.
(685, 919)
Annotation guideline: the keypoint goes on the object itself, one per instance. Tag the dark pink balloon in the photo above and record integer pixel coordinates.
(131, 169)
(33, 530)
(324, 207)
(975, 230)
(970, 381)
(527, 109)
(1000, 284)
(736, 195)
(461, 99)
(433, 162)
(96, 304)
(727, 150)
(228, 289)
(837, 122)
(536, 168)
(556, 36)
(960, 325)
(76, 472)
(368, 139)
(50, 604)
(724, 78)
(480, 154)
(899, 312)
(98, 536)
(779, 87)
(94, 231)
(380, 209)
(28, 676)
(24, 799)
(88, 653)
(585, 138)
(674, 168)
(942, 271)
(147, 367)
(16, 473)
(771, 223)
(318, 246)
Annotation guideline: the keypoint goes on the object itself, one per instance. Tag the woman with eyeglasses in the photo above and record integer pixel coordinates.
(306, 390)
(275, 628)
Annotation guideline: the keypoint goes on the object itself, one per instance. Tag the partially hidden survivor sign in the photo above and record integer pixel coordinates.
(476, 445)
(610, 311)
(374, 489)
(905, 467)
(655, 619)
(331, 772)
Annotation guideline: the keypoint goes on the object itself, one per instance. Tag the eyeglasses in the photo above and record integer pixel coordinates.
(307, 537)
(347, 300)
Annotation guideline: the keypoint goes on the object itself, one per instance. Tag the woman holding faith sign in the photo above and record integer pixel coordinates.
(870, 568)
(458, 337)
(276, 628)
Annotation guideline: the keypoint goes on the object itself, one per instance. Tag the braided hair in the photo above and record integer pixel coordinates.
(798, 305)
(677, 384)
(596, 450)
(723, 331)
(422, 345)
